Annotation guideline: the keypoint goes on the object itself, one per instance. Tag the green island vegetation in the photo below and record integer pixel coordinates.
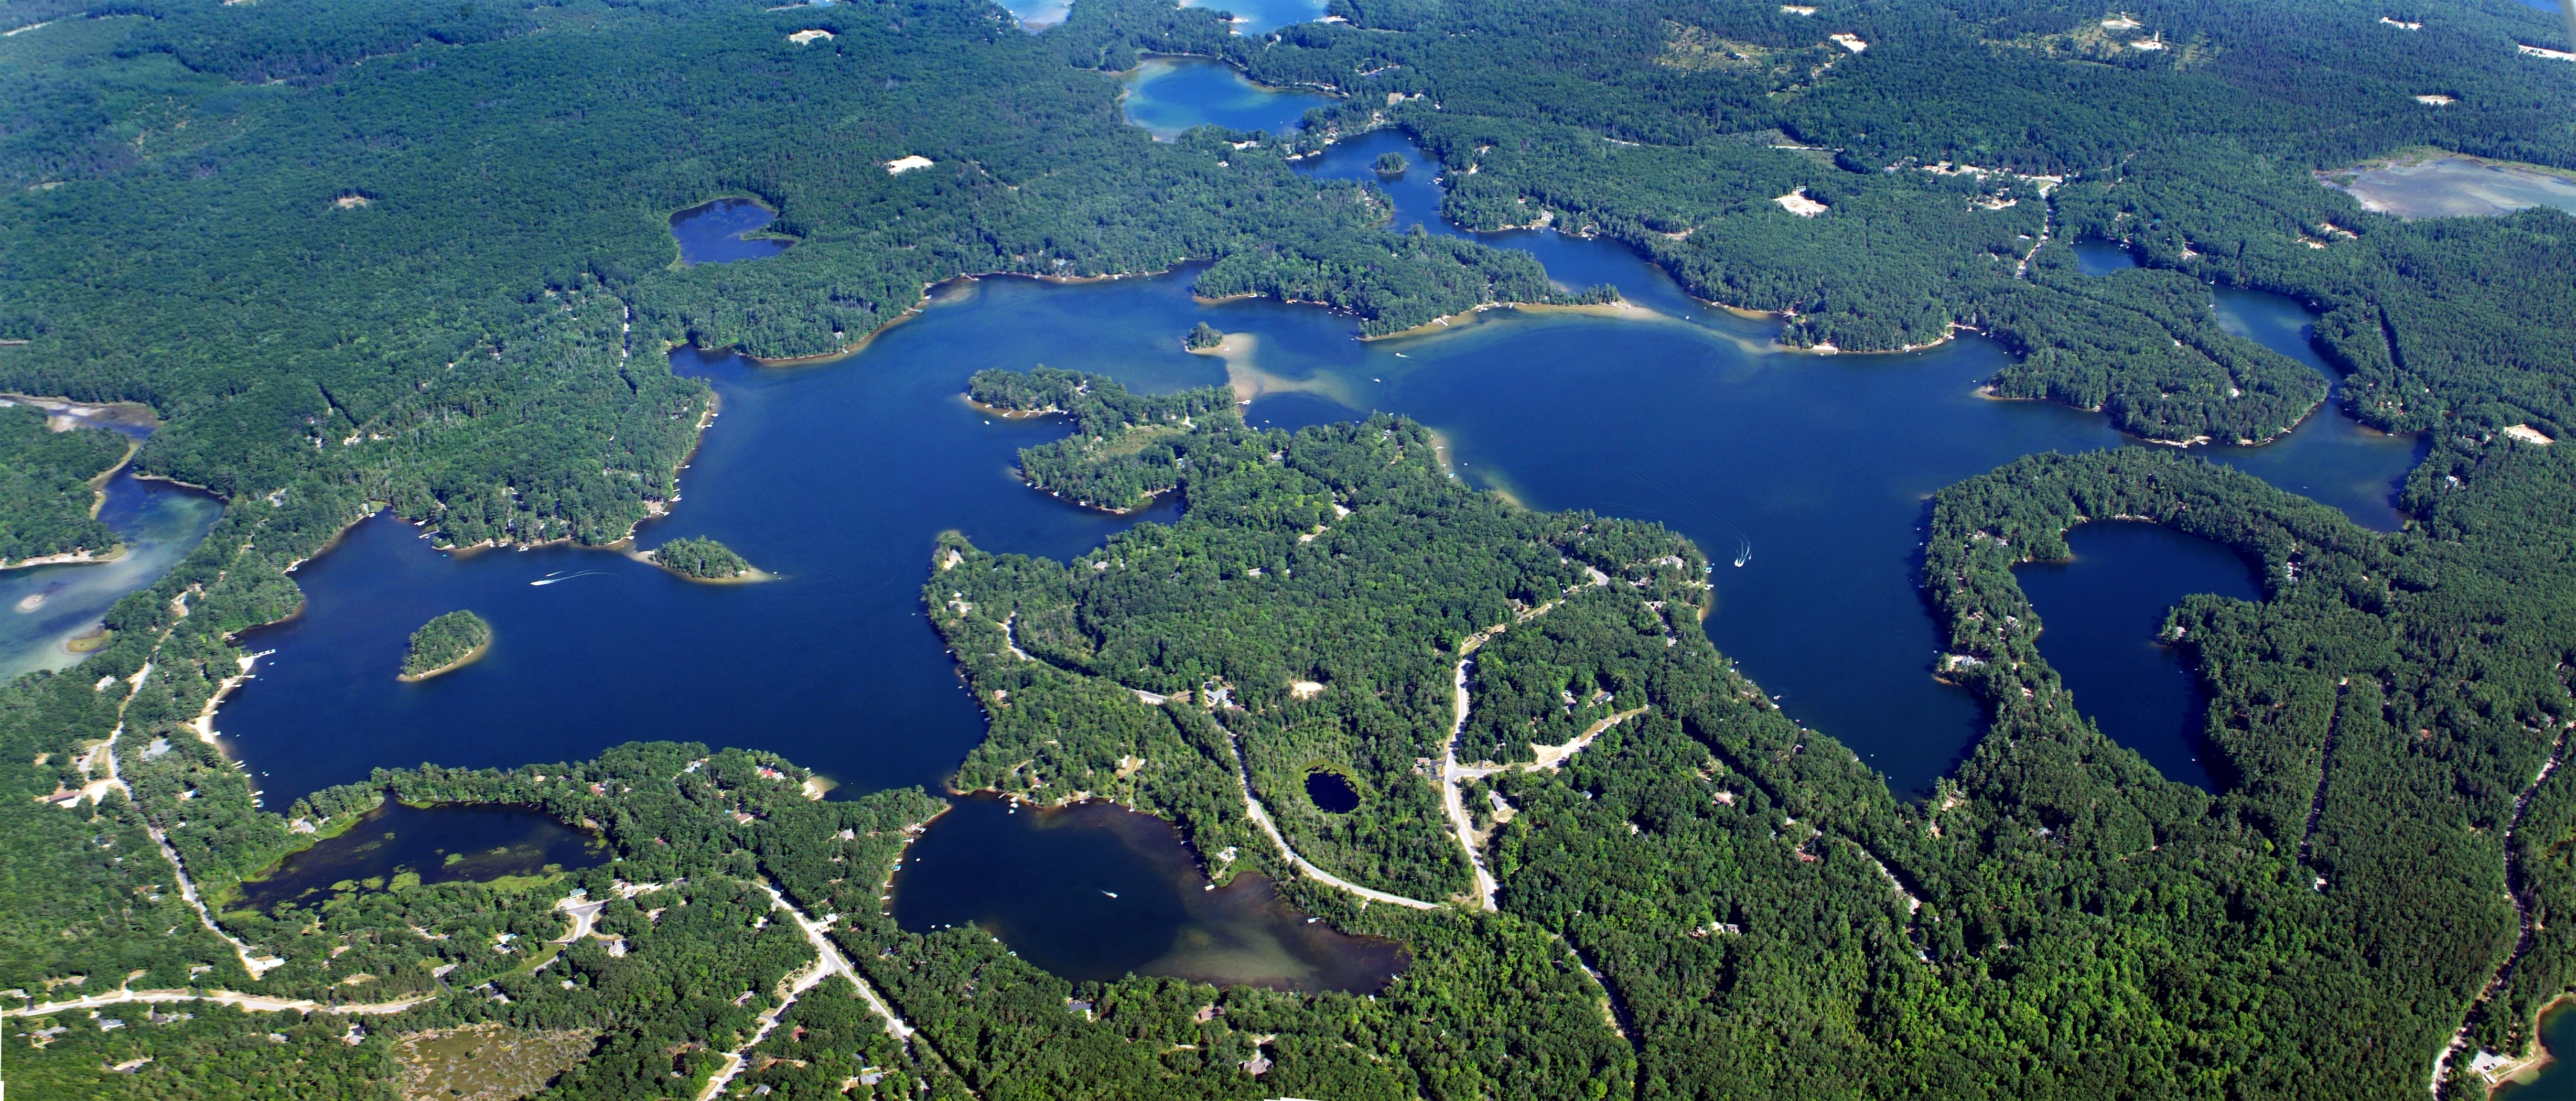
(703, 560)
(1123, 452)
(366, 253)
(1202, 337)
(445, 643)
(48, 490)
(1389, 164)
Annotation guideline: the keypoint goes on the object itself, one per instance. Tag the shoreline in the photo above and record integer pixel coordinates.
(2523, 1069)
(468, 658)
(204, 723)
(68, 558)
(1622, 309)
(626, 547)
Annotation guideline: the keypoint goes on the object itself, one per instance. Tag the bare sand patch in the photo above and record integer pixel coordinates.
(802, 37)
(1797, 202)
(901, 165)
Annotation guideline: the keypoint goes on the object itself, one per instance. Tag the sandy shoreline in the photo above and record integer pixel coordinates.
(71, 558)
(469, 658)
(626, 547)
(204, 723)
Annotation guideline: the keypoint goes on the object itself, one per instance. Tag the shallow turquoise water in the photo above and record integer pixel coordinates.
(42, 607)
(1170, 94)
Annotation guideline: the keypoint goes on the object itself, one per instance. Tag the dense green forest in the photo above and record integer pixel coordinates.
(444, 643)
(46, 490)
(1123, 451)
(702, 559)
(383, 255)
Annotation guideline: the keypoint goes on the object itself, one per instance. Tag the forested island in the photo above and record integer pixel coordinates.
(445, 644)
(240, 215)
(48, 488)
(700, 559)
(1122, 454)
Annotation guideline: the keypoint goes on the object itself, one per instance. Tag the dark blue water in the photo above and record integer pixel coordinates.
(2101, 614)
(1095, 892)
(840, 475)
(447, 843)
(1170, 94)
(712, 233)
(1813, 470)
(1332, 793)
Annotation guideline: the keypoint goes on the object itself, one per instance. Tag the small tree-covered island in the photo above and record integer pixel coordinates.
(402, 285)
(701, 559)
(445, 644)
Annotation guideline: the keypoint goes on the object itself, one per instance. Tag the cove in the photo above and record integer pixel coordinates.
(1094, 891)
(44, 608)
(1815, 470)
(1168, 95)
(2554, 1080)
(2100, 615)
(442, 843)
(712, 233)
(2331, 458)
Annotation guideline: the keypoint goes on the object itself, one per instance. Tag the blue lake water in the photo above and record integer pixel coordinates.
(1170, 94)
(2098, 257)
(2100, 615)
(1250, 16)
(712, 233)
(1815, 469)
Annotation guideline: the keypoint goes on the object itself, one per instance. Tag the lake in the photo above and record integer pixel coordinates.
(1168, 95)
(1250, 16)
(43, 609)
(1815, 470)
(712, 233)
(445, 843)
(2453, 187)
(2100, 614)
(1094, 891)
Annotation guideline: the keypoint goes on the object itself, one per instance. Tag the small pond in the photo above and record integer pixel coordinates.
(1332, 792)
(2100, 615)
(444, 843)
(712, 233)
(1096, 891)
(2094, 256)
(1168, 95)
